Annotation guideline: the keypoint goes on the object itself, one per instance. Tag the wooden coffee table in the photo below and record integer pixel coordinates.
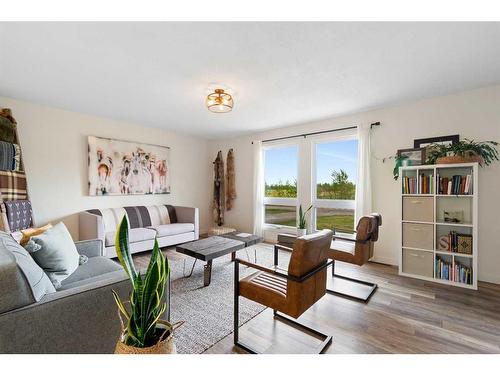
(207, 249)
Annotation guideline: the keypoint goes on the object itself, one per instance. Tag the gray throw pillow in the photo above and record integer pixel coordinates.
(58, 256)
(27, 270)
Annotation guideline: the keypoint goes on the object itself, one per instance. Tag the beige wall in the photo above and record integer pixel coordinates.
(54, 145)
(473, 114)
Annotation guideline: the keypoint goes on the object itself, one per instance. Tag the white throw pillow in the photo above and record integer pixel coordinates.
(58, 256)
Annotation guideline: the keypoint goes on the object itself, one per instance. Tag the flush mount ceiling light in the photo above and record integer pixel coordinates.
(219, 101)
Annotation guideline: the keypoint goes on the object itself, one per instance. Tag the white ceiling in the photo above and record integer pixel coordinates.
(157, 74)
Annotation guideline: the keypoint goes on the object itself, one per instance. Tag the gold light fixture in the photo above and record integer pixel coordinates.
(219, 101)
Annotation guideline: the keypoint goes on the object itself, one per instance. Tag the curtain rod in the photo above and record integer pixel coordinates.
(316, 133)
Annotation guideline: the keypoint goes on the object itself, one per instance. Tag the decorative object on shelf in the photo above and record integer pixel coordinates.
(144, 332)
(414, 156)
(445, 140)
(218, 204)
(444, 243)
(453, 216)
(302, 228)
(126, 168)
(219, 101)
(464, 244)
(230, 183)
(466, 151)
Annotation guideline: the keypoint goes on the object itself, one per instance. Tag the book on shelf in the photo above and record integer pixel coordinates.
(409, 185)
(426, 184)
(455, 185)
(453, 271)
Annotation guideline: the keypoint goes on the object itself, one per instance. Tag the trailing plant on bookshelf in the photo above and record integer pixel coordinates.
(463, 152)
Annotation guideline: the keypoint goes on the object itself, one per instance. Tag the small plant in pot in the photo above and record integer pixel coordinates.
(302, 228)
(144, 332)
(465, 151)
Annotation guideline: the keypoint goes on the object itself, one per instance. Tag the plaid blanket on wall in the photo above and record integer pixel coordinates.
(10, 156)
(13, 186)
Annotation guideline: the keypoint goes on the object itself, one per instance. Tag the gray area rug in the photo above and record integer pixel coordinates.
(208, 311)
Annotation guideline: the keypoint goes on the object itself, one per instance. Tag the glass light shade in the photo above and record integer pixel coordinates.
(219, 101)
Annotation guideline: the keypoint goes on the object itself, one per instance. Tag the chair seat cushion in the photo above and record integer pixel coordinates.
(95, 266)
(134, 235)
(173, 229)
(265, 288)
(342, 251)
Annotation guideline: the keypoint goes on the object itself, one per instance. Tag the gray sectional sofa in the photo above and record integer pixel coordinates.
(170, 224)
(80, 317)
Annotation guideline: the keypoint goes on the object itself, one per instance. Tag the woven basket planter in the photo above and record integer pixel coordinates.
(458, 159)
(166, 345)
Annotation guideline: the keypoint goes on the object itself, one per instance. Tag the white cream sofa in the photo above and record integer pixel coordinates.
(170, 224)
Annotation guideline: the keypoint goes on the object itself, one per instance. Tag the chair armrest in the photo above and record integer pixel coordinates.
(281, 272)
(90, 248)
(282, 247)
(351, 237)
(189, 215)
(274, 270)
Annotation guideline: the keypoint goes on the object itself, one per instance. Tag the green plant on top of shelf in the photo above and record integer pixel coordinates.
(484, 152)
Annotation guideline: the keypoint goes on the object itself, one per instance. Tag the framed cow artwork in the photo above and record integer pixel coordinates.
(122, 168)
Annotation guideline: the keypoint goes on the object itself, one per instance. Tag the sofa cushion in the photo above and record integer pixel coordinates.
(134, 235)
(22, 280)
(173, 229)
(94, 267)
(58, 256)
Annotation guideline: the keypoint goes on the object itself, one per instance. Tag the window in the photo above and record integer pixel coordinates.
(280, 193)
(334, 183)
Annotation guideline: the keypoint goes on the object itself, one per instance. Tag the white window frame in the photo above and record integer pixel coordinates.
(326, 203)
(279, 201)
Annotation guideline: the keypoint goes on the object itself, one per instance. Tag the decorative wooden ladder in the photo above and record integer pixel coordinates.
(7, 188)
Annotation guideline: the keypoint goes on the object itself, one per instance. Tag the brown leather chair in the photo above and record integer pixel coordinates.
(355, 248)
(289, 292)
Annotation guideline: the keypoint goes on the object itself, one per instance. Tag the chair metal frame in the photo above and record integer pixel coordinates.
(373, 286)
(326, 339)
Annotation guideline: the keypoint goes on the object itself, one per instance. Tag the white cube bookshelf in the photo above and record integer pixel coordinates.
(423, 223)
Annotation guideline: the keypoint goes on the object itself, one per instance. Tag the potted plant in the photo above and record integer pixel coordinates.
(144, 331)
(465, 151)
(302, 230)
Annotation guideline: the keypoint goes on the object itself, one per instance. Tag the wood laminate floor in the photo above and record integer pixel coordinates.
(404, 316)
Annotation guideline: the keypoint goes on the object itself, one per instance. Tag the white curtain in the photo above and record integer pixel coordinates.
(258, 188)
(364, 184)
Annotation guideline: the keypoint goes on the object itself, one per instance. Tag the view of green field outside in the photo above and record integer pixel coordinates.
(327, 218)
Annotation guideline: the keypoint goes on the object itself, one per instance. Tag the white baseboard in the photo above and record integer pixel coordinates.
(385, 260)
(489, 278)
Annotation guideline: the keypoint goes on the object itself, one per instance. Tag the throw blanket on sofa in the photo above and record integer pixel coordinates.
(13, 186)
(137, 216)
(10, 156)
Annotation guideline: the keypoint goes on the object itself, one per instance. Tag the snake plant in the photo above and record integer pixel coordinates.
(302, 217)
(146, 299)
